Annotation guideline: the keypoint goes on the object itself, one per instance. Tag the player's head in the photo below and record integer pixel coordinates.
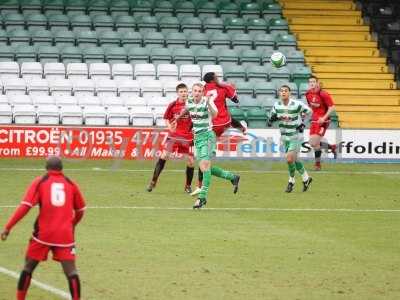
(313, 82)
(197, 91)
(54, 163)
(182, 91)
(284, 92)
(210, 77)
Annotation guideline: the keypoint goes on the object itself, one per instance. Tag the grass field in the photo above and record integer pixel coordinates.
(340, 240)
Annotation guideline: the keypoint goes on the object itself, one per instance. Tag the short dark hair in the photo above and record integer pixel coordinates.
(314, 77)
(285, 86)
(181, 86)
(208, 77)
(54, 163)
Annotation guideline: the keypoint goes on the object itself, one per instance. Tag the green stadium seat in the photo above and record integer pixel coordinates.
(300, 74)
(271, 9)
(205, 56)
(191, 25)
(80, 22)
(234, 73)
(228, 9)
(235, 25)
(169, 24)
(103, 22)
(279, 73)
(153, 39)
(47, 54)
(31, 6)
(183, 56)
(228, 57)
(138, 55)
(119, 8)
(241, 41)
(285, 40)
(51, 7)
(264, 90)
(160, 56)
(303, 88)
(197, 40)
(64, 38)
(58, 22)
(184, 9)
(294, 56)
(163, 9)
(257, 117)
(147, 24)
(70, 54)
(207, 9)
(247, 103)
(220, 40)
(75, 7)
(250, 10)
(9, 6)
(42, 38)
(264, 42)
(25, 53)
(3, 37)
(86, 38)
(131, 38)
(7, 53)
(257, 73)
(19, 37)
(266, 56)
(115, 55)
(278, 25)
(250, 58)
(36, 21)
(97, 7)
(13, 21)
(237, 113)
(244, 89)
(213, 25)
(93, 54)
(175, 40)
(109, 37)
(125, 23)
(256, 26)
(141, 8)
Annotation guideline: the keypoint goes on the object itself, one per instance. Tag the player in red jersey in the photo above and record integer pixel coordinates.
(322, 106)
(61, 207)
(180, 138)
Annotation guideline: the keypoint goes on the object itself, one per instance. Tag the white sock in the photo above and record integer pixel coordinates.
(305, 176)
(291, 179)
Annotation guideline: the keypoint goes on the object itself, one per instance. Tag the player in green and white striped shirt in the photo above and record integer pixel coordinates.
(289, 114)
(201, 110)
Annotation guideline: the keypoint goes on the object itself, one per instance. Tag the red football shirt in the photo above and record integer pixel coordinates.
(183, 124)
(319, 101)
(58, 199)
(219, 93)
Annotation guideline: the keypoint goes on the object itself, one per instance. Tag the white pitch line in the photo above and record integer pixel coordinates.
(181, 171)
(269, 209)
(60, 293)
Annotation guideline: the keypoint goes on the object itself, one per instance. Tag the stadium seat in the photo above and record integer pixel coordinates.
(169, 88)
(14, 21)
(267, 102)
(133, 102)
(244, 89)
(142, 116)
(147, 24)
(153, 40)
(163, 9)
(219, 41)
(7, 53)
(141, 8)
(6, 116)
(95, 115)
(151, 88)
(58, 21)
(110, 101)
(175, 40)
(42, 38)
(282, 40)
(217, 69)
(35, 21)
(205, 56)
(211, 25)
(234, 25)
(75, 7)
(131, 39)
(160, 56)
(119, 8)
(237, 113)
(31, 70)
(182, 56)
(38, 100)
(250, 10)
(19, 37)
(10, 6)
(31, 6)
(3, 36)
(247, 102)
(122, 71)
(278, 25)
(66, 100)
(125, 23)
(303, 88)
(48, 54)
(93, 55)
(86, 38)
(71, 54)
(159, 103)
(144, 72)
(191, 25)
(105, 88)
(227, 9)
(256, 26)
(21, 99)
(169, 24)
(184, 9)
(115, 55)
(271, 10)
(207, 9)
(279, 73)
(242, 41)
(48, 115)
(9, 69)
(71, 115)
(190, 74)
(301, 74)
(14, 86)
(60, 87)
(264, 42)
(118, 116)
(167, 72)
(77, 71)
(108, 37)
(228, 57)
(83, 88)
(99, 71)
(138, 56)
(25, 54)
(103, 22)
(3, 98)
(294, 56)
(128, 88)
(24, 114)
(37, 86)
(86, 100)
(81, 22)
(250, 58)
(197, 40)
(234, 73)
(64, 38)
(257, 73)
(257, 117)
(97, 7)
(54, 71)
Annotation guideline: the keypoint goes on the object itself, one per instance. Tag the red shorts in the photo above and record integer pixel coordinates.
(39, 252)
(318, 129)
(180, 146)
(220, 129)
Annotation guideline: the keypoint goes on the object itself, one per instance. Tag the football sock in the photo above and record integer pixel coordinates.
(200, 178)
(291, 179)
(158, 168)
(74, 287)
(189, 175)
(218, 172)
(206, 184)
(236, 124)
(23, 285)
(300, 168)
(292, 169)
(317, 154)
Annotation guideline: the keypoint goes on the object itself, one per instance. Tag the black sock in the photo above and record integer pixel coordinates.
(158, 169)
(325, 146)
(200, 177)
(318, 155)
(24, 281)
(74, 287)
(189, 175)
(236, 124)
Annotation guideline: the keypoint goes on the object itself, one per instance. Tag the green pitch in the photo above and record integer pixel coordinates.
(138, 245)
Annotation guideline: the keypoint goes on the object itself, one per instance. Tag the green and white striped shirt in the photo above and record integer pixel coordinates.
(289, 118)
(201, 117)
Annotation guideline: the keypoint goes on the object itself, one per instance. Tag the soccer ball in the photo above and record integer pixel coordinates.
(278, 59)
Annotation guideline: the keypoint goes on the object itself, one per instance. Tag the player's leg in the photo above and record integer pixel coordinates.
(205, 166)
(304, 175)
(221, 173)
(189, 173)
(315, 143)
(71, 273)
(25, 278)
(158, 169)
(290, 159)
(239, 125)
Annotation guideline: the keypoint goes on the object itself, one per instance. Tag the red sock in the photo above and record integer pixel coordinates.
(23, 285)
(74, 287)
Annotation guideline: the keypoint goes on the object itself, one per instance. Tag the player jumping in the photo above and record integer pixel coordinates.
(322, 106)
(180, 138)
(61, 207)
(289, 113)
